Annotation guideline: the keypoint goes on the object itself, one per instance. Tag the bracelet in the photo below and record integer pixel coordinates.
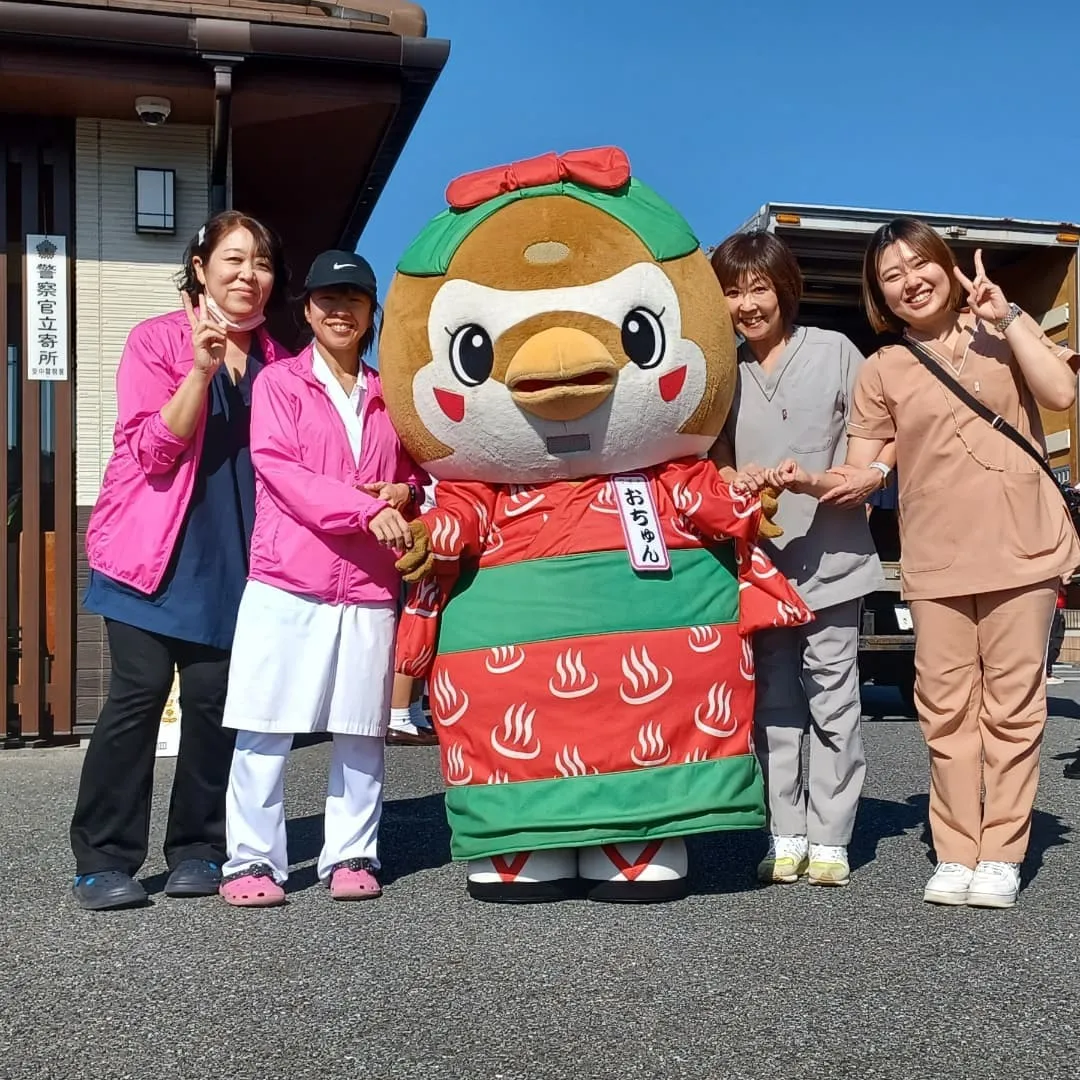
(1006, 321)
(884, 469)
(414, 495)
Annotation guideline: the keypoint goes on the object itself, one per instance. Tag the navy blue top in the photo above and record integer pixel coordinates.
(199, 596)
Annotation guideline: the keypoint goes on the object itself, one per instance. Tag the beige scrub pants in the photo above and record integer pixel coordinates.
(980, 691)
(807, 682)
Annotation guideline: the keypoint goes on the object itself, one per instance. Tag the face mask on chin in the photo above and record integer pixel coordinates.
(242, 326)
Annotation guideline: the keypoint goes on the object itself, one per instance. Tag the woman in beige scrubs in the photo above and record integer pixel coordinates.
(985, 542)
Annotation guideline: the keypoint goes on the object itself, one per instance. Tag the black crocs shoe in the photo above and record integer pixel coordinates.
(1072, 770)
(108, 890)
(194, 877)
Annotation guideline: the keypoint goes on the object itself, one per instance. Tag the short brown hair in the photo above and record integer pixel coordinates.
(759, 253)
(926, 243)
(213, 232)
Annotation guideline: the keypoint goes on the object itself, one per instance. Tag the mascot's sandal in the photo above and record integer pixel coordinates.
(557, 352)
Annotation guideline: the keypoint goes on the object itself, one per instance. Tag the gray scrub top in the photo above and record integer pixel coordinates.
(800, 410)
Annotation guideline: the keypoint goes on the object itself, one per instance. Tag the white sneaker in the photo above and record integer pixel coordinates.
(1054, 680)
(949, 884)
(786, 860)
(995, 884)
(828, 865)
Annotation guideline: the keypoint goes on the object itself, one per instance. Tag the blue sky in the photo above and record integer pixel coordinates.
(723, 105)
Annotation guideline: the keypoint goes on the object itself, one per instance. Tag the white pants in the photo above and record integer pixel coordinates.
(255, 802)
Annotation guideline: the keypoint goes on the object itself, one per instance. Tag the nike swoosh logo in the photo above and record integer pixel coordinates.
(344, 266)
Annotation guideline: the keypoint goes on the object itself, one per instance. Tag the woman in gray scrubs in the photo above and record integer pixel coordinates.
(794, 391)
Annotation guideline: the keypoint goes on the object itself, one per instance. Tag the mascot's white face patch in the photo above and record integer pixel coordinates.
(496, 441)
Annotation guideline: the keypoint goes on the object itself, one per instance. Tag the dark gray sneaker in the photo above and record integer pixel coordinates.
(108, 890)
(194, 877)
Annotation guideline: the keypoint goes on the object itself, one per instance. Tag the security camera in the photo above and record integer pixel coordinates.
(153, 111)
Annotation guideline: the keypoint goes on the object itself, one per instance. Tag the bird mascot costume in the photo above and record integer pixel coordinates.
(557, 352)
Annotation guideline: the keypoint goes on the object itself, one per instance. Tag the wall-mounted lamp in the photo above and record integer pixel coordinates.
(155, 201)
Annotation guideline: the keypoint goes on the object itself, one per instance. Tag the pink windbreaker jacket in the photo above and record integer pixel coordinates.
(149, 478)
(311, 534)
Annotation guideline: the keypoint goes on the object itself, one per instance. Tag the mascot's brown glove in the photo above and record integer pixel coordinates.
(418, 562)
(767, 530)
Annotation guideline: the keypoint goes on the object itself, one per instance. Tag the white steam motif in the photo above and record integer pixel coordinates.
(568, 762)
(574, 680)
(604, 500)
(457, 774)
(688, 502)
(746, 661)
(760, 565)
(787, 614)
(418, 665)
(452, 703)
(696, 755)
(522, 499)
(644, 683)
(425, 600)
(494, 540)
(714, 716)
(504, 659)
(743, 504)
(684, 528)
(499, 776)
(703, 639)
(445, 536)
(654, 751)
(517, 739)
(482, 519)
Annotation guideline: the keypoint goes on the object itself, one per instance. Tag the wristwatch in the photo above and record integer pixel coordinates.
(1006, 321)
(883, 469)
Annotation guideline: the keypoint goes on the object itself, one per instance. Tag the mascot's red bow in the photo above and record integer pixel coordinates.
(604, 167)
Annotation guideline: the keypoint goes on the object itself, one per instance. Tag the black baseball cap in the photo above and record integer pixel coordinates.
(341, 268)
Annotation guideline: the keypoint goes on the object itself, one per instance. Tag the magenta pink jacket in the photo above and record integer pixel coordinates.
(149, 479)
(311, 521)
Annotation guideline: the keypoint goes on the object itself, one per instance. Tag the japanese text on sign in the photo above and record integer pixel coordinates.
(641, 523)
(46, 308)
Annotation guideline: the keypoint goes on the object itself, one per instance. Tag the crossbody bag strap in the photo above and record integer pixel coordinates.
(924, 356)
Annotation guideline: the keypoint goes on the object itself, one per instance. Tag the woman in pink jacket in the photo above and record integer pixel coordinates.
(315, 634)
(167, 545)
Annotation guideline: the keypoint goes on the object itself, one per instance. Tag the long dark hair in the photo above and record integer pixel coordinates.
(204, 242)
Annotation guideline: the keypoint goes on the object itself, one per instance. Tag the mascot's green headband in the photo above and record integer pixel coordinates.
(600, 178)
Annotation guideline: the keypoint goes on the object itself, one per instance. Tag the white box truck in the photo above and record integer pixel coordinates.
(1035, 262)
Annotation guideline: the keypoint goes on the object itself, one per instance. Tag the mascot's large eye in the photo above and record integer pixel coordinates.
(643, 337)
(472, 355)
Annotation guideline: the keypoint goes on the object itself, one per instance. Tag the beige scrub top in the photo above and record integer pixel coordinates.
(800, 409)
(977, 514)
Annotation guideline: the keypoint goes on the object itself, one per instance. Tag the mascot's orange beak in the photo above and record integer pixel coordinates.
(561, 374)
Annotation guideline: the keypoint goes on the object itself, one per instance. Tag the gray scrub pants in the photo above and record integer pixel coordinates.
(808, 683)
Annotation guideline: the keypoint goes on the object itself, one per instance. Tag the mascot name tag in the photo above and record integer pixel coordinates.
(641, 523)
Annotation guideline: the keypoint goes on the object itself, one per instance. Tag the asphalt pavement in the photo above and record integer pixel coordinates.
(735, 982)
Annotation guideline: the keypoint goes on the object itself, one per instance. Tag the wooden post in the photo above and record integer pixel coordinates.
(31, 697)
(62, 681)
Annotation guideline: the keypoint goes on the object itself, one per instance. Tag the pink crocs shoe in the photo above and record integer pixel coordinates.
(253, 887)
(353, 880)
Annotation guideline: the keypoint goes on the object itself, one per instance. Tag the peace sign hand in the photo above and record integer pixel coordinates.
(985, 299)
(207, 339)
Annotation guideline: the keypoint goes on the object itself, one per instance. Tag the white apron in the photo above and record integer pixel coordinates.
(300, 666)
